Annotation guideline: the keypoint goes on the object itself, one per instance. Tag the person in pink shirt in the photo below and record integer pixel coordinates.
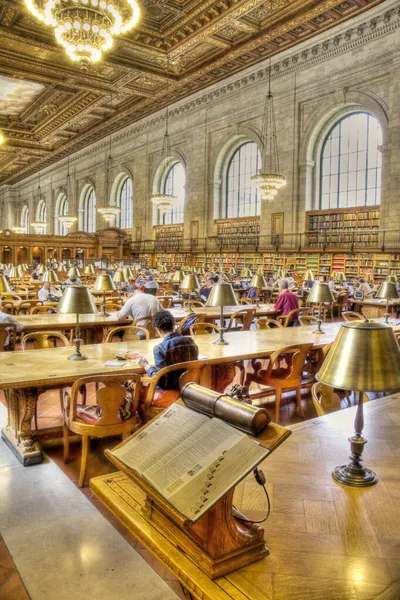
(287, 302)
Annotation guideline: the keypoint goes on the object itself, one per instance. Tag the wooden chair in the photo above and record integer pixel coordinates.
(147, 323)
(241, 320)
(350, 315)
(109, 398)
(7, 307)
(282, 378)
(308, 320)
(165, 302)
(341, 303)
(129, 333)
(326, 399)
(26, 305)
(41, 341)
(40, 309)
(322, 310)
(203, 328)
(191, 372)
(191, 303)
(189, 317)
(113, 306)
(297, 312)
(373, 312)
(265, 323)
(397, 336)
(8, 331)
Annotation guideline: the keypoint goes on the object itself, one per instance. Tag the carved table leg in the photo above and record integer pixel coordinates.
(18, 432)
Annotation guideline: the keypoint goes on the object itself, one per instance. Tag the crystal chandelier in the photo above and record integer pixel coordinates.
(85, 28)
(165, 202)
(269, 180)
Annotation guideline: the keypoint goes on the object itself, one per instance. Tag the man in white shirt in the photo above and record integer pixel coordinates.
(46, 291)
(6, 318)
(364, 286)
(139, 306)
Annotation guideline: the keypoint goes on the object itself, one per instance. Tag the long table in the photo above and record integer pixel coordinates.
(326, 541)
(22, 374)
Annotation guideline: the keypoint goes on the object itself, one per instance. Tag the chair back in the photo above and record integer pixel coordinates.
(147, 323)
(342, 299)
(324, 398)
(7, 331)
(265, 323)
(42, 309)
(294, 356)
(182, 326)
(113, 306)
(190, 303)
(243, 317)
(26, 305)
(203, 328)
(165, 302)
(350, 315)
(373, 312)
(296, 312)
(44, 339)
(7, 306)
(308, 320)
(129, 333)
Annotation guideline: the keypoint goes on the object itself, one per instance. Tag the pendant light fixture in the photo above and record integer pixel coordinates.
(269, 180)
(109, 211)
(165, 202)
(67, 220)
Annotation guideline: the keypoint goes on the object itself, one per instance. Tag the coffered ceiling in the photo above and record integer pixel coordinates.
(49, 108)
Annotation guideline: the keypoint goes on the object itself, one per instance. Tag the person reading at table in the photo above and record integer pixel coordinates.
(175, 348)
(73, 280)
(139, 306)
(48, 293)
(206, 289)
(287, 301)
(5, 319)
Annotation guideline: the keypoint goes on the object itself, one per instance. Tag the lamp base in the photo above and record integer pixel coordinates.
(104, 314)
(354, 476)
(77, 357)
(221, 342)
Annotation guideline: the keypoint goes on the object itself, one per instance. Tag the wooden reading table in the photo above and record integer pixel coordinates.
(326, 541)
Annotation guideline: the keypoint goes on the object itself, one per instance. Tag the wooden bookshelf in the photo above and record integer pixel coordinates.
(241, 226)
(341, 225)
(168, 232)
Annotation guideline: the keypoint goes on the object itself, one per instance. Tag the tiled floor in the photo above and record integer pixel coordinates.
(11, 585)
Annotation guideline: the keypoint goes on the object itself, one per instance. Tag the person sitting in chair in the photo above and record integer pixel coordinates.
(175, 348)
(287, 301)
(9, 319)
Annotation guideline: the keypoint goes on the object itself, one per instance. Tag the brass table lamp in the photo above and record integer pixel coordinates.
(74, 272)
(189, 285)
(309, 276)
(365, 357)
(128, 273)
(222, 294)
(4, 286)
(78, 300)
(50, 276)
(387, 291)
(89, 270)
(61, 268)
(391, 279)
(320, 293)
(14, 275)
(162, 269)
(178, 276)
(119, 278)
(341, 277)
(246, 273)
(258, 282)
(41, 270)
(104, 284)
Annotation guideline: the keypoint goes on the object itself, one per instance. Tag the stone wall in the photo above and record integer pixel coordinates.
(353, 67)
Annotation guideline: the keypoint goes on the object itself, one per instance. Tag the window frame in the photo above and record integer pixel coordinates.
(257, 200)
(127, 211)
(175, 216)
(87, 218)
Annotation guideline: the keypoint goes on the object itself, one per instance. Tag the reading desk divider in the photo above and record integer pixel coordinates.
(215, 539)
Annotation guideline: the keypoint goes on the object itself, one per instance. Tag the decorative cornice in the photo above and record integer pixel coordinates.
(382, 22)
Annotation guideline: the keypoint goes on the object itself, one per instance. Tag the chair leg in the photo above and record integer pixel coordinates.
(66, 443)
(35, 414)
(298, 401)
(84, 459)
(278, 394)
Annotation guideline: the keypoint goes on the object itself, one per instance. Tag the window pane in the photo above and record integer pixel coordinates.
(351, 162)
(89, 215)
(175, 185)
(125, 204)
(242, 197)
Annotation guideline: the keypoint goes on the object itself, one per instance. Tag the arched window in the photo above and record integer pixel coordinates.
(89, 211)
(62, 212)
(124, 201)
(174, 185)
(25, 220)
(242, 197)
(41, 212)
(351, 163)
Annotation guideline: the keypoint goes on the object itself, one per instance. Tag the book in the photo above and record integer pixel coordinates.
(190, 459)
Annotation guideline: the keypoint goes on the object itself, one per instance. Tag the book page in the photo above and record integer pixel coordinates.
(190, 459)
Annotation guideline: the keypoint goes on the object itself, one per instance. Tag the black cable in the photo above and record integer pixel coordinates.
(260, 478)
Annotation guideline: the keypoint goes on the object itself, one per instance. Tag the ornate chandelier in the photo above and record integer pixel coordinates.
(67, 221)
(269, 181)
(85, 28)
(39, 227)
(164, 202)
(109, 212)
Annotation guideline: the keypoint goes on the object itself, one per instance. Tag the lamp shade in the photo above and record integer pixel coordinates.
(120, 277)
(387, 291)
(78, 300)
(190, 283)
(74, 272)
(320, 292)
(308, 276)
(103, 283)
(177, 277)
(14, 273)
(50, 276)
(128, 273)
(89, 270)
(201, 271)
(365, 357)
(258, 282)
(41, 269)
(61, 268)
(341, 277)
(3, 267)
(222, 294)
(162, 269)
(4, 287)
(280, 273)
(245, 273)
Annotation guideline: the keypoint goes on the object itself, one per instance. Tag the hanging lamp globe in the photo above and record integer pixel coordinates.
(109, 212)
(86, 28)
(269, 184)
(67, 220)
(164, 202)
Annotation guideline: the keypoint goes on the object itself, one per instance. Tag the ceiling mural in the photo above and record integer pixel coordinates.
(50, 108)
(16, 94)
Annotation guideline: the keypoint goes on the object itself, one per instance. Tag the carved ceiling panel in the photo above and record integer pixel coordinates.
(49, 108)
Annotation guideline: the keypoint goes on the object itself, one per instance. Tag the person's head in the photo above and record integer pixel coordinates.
(361, 280)
(284, 284)
(132, 289)
(46, 285)
(73, 279)
(210, 282)
(164, 321)
(35, 276)
(150, 278)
